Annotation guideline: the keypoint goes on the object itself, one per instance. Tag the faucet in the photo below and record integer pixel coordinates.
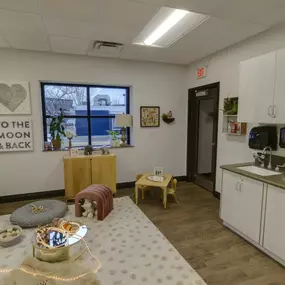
(259, 157)
(270, 156)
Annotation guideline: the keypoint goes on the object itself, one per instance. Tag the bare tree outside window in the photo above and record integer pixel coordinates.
(67, 98)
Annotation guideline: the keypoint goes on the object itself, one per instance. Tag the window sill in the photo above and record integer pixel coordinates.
(97, 149)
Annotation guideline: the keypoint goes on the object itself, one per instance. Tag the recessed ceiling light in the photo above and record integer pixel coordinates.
(165, 26)
(169, 25)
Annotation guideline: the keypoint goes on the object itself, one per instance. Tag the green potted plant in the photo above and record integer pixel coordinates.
(115, 141)
(56, 130)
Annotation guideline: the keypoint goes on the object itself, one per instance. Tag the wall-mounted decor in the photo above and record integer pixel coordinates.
(167, 118)
(16, 135)
(231, 126)
(15, 98)
(231, 106)
(150, 116)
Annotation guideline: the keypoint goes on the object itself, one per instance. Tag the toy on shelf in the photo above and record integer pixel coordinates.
(88, 150)
(104, 151)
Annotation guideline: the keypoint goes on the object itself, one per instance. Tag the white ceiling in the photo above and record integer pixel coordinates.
(69, 26)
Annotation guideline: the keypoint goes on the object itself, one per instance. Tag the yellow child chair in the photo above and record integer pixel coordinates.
(172, 189)
(143, 188)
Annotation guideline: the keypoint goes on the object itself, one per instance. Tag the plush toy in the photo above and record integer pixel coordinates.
(89, 208)
(88, 150)
(104, 151)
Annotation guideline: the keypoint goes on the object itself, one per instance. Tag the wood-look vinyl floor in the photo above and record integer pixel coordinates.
(194, 228)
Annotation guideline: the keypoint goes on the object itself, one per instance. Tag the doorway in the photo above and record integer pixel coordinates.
(203, 118)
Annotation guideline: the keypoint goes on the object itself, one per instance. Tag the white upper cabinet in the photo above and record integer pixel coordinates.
(256, 89)
(279, 96)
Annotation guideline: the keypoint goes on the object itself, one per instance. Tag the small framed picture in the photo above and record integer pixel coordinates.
(158, 171)
(150, 116)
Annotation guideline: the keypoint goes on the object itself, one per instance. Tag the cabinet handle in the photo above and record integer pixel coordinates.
(240, 186)
(274, 111)
(237, 186)
(270, 110)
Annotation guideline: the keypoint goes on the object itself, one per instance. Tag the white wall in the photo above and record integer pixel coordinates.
(223, 67)
(152, 84)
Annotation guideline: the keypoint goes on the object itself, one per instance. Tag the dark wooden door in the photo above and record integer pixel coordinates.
(203, 113)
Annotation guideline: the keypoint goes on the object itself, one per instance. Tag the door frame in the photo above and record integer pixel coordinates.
(192, 135)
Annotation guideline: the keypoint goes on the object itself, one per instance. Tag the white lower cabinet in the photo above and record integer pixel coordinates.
(274, 227)
(241, 204)
(256, 211)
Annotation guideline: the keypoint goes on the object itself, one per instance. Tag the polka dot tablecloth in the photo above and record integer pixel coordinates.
(129, 246)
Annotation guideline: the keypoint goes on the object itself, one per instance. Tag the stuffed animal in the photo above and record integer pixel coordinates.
(89, 208)
(88, 150)
(104, 151)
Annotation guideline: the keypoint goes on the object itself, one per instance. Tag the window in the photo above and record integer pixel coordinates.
(89, 111)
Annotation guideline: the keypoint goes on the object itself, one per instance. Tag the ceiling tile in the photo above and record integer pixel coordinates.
(199, 6)
(68, 45)
(26, 40)
(111, 12)
(90, 30)
(3, 43)
(10, 21)
(266, 12)
(225, 31)
(136, 52)
(83, 10)
(68, 28)
(30, 6)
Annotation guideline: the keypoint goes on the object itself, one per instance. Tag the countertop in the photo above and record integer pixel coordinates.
(275, 180)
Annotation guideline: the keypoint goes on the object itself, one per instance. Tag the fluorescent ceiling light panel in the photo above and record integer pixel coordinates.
(169, 25)
(165, 26)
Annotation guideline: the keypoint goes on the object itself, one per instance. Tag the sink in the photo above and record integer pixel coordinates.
(258, 170)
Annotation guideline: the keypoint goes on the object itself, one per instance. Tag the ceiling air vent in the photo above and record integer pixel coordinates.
(98, 45)
(102, 48)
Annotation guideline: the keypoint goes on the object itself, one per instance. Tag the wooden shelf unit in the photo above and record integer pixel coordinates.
(83, 171)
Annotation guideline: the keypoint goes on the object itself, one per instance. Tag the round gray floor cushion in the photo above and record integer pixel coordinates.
(25, 218)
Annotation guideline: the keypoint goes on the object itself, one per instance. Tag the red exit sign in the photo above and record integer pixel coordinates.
(201, 72)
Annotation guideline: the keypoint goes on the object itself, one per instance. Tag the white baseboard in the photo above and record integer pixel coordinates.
(279, 260)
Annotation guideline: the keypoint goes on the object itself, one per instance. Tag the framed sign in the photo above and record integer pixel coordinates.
(16, 135)
(150, 116)
(15, 98)
(158, 171)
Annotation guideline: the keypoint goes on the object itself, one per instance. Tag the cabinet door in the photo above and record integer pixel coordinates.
(104, 171)
(256, 89)
(241, 206)
(274, 228)
(230, 198)
(251, 207)
(77, 175)
(279, 96)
